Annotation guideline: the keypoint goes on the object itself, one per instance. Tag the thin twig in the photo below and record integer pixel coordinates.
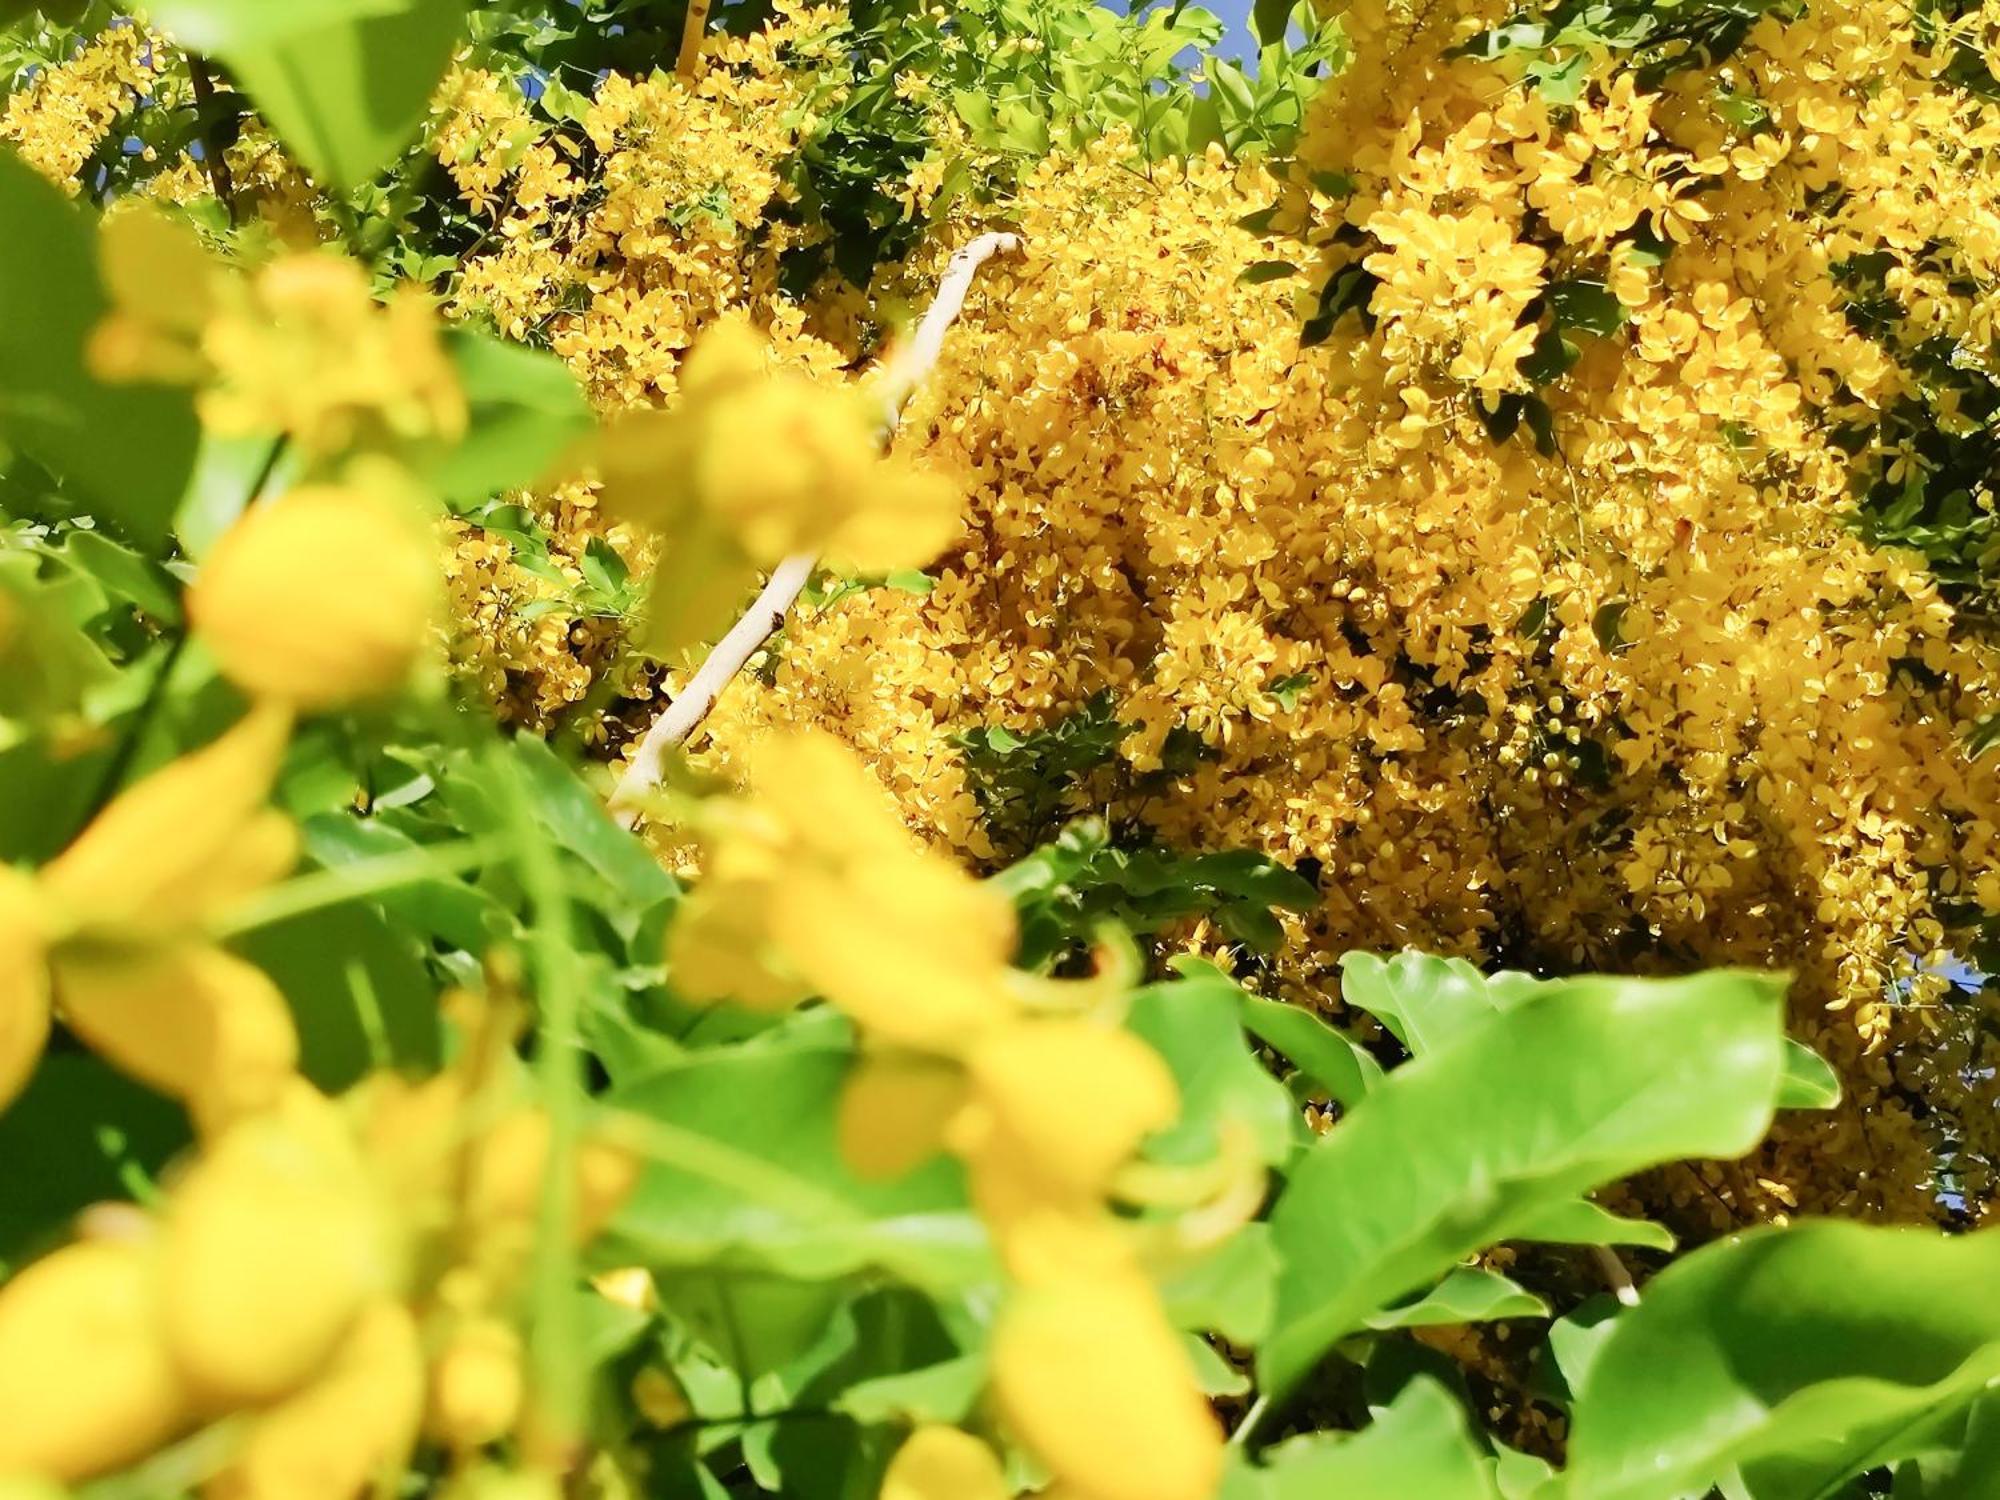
(907, 369)
(1616, 1277)
(696, 23)
(212, 156)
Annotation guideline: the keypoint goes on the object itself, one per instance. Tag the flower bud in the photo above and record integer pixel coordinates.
(942, 1463)
(346, 1433)
(320, 598)
(476, 1385)
(86, 1384)
(273, 1243)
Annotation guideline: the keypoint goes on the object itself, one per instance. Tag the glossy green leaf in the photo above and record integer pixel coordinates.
(1809, 1081)
(1581, 1222)
(51, 407)
(746, 1172)
(1332, 1062)
(1418, 1446)
(343, 82)
(1799, 1357)
(1427, 1002)
(1469, 1294)
(1230, 1289)
(1582, 1083)
(1192, 1023)
(525, 410)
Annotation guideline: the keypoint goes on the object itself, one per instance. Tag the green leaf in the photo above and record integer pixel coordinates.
(78, 1134)
(748, 1173)
(1584, 1081)
(943, 1392)
(1586, 305)
(1328, 1058)
(357, 988)
(1581, 1222)
(1809, 1081)
(1230, 1289)
(123, 452)
(1427, 1002)
(343, 84)
(1192, 1023)
(1268, 19)
(1419, 1445)
(1260, 271)
(1469, 1294)
(525, 411)
(220, 25)
(1799, 1356)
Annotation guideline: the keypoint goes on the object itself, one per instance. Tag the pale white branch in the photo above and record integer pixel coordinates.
(908, 367)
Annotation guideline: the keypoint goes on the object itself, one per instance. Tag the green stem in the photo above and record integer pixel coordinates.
(558, 1373)
(364, 877)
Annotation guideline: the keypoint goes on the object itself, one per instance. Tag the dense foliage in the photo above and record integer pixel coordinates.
(1361, 867)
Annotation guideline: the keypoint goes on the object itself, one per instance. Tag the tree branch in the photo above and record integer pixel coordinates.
(908, 367)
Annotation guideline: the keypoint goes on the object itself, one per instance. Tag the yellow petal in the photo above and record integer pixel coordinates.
(188, 838)
(320, 598)
(1090, 1375)
(1075, 1097)
(198, 1024)
(273, 1243)
(702, 580)
(86, 1384)
(942, 1463)
(894, 1109)
(24, 982)
(721, 947)
(351, 1429)
(903, 519)
(155, 268)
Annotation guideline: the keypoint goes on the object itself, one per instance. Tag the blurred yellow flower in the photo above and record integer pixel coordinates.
(1089, 1373)
(86, 1381)
(198, 1024)
(942, 1463)
(820, 890)
(323, 597)
(347, 1433)
(754, 464)
(270, 1247)
(476, 1385)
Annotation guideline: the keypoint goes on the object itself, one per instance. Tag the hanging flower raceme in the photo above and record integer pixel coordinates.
(812, 886)
(755, 464)
(111, 934)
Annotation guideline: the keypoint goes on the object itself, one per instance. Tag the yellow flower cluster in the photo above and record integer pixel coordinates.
(1643, 699)
(665, 238)
(812, 886)
(63, 116)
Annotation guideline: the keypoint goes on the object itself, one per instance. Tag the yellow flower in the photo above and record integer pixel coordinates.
(109, 931)
(192, 1021)
(894, 1111)
(1064, 1102)
(755, 464)
(321, 598)
(348, 1431)
(24, 982)
(270, 1247)
(475, 1391)
(942, 1463)
(86, 1381)
(178, 847)
(820, 890)
(1090, 1375)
